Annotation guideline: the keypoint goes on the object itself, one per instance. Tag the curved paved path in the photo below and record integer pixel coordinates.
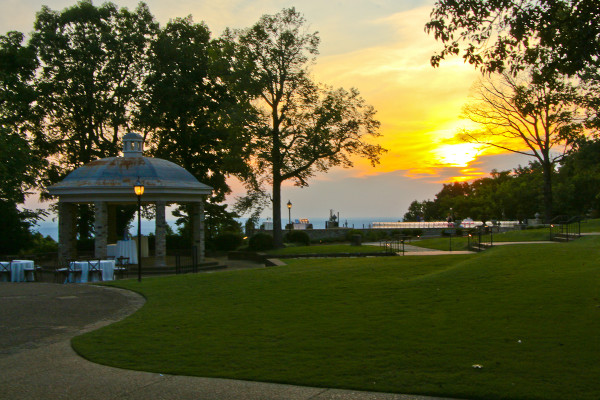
(37, 321)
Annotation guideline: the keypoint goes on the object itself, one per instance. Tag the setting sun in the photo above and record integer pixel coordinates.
(456, 155)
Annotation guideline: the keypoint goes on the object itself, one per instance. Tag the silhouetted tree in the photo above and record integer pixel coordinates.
(21, 159)
(306, 127)
(557, 37)
(537, 119)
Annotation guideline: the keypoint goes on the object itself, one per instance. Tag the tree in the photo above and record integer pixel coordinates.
(190, 112)
(21, 160)
(557, 37)
(415, 212)
(92, 62)
(203, 129)
(306, 127)
(578, 180)
(502, 195)
(528, 117)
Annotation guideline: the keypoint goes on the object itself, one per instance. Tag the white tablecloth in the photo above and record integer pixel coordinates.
(144, 245)
(126, 248)
(107, 267)
(19, 268)
(111, 250)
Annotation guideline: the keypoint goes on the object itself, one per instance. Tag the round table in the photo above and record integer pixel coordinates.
(126, 248)
(106, 266)
(19, 268)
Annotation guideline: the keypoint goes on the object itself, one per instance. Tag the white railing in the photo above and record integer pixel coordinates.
(439, 224)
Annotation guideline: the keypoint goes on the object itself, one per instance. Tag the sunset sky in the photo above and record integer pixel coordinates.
(379, 47)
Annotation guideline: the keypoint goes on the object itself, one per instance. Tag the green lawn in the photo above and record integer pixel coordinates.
(327, 249)
(591, 225)
(461, 243)
(529, 314)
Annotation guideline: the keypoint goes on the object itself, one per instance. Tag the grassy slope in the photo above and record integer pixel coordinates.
(461, 243)
(403, 324)
(323, 249)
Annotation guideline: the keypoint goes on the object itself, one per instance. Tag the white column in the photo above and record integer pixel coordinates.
(100, 229)
(197, 218)
(160, 232)
(67, 235)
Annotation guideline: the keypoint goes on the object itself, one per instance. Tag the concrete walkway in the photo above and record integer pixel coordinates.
(411, 250)
(37, 361)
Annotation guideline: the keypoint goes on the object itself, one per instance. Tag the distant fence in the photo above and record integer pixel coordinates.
(441, 224)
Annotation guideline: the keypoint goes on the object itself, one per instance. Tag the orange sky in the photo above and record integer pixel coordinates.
(417, 104)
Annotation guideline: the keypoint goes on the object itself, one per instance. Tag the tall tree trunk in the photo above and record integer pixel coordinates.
(277, 233)
(547, 172)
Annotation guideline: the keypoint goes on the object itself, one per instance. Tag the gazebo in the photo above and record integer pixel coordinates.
(108, 182)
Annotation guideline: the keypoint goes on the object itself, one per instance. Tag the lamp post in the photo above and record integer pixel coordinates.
(289, 205)
(450, 226)
(138, 188)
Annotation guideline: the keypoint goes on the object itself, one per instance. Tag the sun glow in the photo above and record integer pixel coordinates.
(456, 155)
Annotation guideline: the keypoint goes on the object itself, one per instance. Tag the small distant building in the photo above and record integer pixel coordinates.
(266, 226)
(302, 223)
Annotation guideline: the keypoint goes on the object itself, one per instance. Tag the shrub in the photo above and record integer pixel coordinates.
(178, 242)
(374, 235)
(300, 237)
(261, 242)
(228, 241)
(353, 232)
(42, 244)
(407, 232)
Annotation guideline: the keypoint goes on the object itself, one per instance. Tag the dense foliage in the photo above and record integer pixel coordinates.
(299, 237)
(518, 194)
(227, 241)
(261, 242)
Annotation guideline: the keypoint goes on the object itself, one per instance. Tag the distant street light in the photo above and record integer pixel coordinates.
(289, 205)
(138, 188)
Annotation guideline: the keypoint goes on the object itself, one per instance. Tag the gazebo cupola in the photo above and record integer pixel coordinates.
(108, 182)
(133, 145)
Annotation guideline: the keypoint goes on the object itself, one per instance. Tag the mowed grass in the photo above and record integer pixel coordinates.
(528, 314)
(327, 249)
(590, 225)
(461, 243)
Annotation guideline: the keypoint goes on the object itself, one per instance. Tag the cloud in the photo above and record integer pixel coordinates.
(417, 104)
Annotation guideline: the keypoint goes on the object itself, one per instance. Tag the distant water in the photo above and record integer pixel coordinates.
(50, 228)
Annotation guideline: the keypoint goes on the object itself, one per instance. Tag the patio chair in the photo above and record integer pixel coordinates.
(74, 272)
(122, 267)
(33, 272)
(61, 272)
(94, 271)
(5, 271)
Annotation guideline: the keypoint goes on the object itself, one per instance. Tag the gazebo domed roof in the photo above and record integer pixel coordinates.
(113, 178)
